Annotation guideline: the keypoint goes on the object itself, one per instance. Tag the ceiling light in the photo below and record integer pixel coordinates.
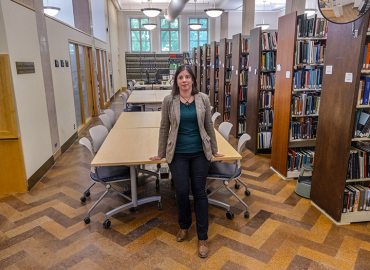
(310, 11)
(149, 26)
(263, 26)
(151, 12)
(51, 11)
(214, 12)
(195, 26)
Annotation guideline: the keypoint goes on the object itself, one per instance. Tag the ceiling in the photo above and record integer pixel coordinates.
(230, 5)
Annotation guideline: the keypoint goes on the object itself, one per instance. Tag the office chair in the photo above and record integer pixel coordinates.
(128, 92)
(127, 108)
(224, 129)
(111, 116)
(211, 108)
(214, 117)
(105, 176)
(227, 172)
(106, 121)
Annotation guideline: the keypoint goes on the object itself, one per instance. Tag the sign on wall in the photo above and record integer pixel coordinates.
(25, 67)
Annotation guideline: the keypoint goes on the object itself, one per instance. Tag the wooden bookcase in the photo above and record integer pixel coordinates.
(199, 67)
(204, 68)
(254, 90)
(194, 66)
(212, 76)
(221, 76)
(283, 96)
(337, 112)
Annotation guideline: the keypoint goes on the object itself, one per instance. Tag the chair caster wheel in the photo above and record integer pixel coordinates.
(247, 192)
(246, 214)
(157, 183)
(230, 215)
(127, 192)
(160, 207)
(106, 224)
(83, 199)
(132, 209)
(87, 194)
(87, 220)
(237, 186)
(208, 191)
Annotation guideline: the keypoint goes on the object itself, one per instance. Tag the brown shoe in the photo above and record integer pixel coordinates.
(203, 248)
(181, 235)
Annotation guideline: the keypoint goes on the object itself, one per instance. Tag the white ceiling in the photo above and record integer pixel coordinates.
(230, 5)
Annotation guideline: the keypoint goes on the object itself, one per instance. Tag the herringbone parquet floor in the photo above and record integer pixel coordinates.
(44, 228)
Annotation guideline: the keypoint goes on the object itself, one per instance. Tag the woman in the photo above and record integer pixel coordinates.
(187, 140)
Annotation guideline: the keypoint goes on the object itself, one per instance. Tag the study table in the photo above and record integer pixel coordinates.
(135, 151)
(148, 96)
(139, 120)
(152, 86)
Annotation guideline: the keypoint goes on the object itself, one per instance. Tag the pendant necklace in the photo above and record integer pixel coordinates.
(187, 104)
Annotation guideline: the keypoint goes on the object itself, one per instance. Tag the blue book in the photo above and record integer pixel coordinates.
(366, 91)
(364, 58)
(308, 53)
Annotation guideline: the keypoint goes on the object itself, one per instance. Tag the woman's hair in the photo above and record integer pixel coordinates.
(175, 86)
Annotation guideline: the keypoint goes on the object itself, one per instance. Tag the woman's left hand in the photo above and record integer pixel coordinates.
(217, 155)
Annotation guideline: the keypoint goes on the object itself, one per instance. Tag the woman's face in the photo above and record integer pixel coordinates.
(184, 81)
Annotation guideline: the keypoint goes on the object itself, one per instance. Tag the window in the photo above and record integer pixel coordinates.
(170, 36)
(140, 38)
(199, 37)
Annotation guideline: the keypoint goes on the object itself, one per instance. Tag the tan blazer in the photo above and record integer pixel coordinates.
(170, 126)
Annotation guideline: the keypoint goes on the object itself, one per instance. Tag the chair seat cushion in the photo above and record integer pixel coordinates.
(223, 170)
(111, 173)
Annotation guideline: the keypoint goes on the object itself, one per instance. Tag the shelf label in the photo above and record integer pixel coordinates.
(287, 74)
(329, 70)
(232, 67)
(348, 77)
(278, 67)
(236, 72)
(222, 65)
(220, 62)
(213, 66)
(250, 69)
(255, 71)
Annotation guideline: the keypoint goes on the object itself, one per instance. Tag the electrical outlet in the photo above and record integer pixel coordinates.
(74, 126)
(55, 144)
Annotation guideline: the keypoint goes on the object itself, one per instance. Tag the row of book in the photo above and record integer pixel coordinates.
(269, 41)
(243, 77)
(314, 27)
(264, 140)
(216, 62)
(244, 62)
(356, 198)
(268, 81)
(229, 47)
(268, 60)
(243, 93)
(305, 104)
(226, 116)
(366, 57)
(300, 156)
(265, 120)
(309, 52)
(245, 45)
(305, 129)
(228, 62)
(216, 85)
(227, 89)
(359, 161)
(364, 91)
(227, 102)
(308, 78)
(242, 109)
(241, 127)
(228, 75)
(187, 54)
(362, 123)
(266, 100)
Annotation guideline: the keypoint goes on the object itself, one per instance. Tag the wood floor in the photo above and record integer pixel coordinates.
(44, 228)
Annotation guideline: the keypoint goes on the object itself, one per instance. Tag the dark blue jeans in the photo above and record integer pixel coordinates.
(192, 166)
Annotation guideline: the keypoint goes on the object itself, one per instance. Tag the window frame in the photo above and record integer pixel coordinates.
(200, 29)
(140, 29)
(169, 29)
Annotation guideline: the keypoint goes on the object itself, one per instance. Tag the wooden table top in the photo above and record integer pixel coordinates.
(148, 96)
(139, 120)
(149, 86)
(160, 94)
(135, 146)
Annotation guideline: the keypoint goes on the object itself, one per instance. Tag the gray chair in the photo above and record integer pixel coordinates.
(106, 121)
(105, 176)
(226, 172)
(224, 129)
(127, 108)
(111, 116)
(214, 117)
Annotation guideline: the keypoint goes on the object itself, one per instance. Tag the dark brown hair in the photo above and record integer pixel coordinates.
(175, 86)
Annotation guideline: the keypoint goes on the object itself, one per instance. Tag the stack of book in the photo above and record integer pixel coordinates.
(300, 130)
(268, 60)
(305, 104)
(269, 41)
(308, 78)
(243, 77)
(299, 157)
(356, 198)
(244, 62)
(268, 81)
(266, 99)
(309, 52)
(245, 47)
(361, 127)
(314, 27)
(265, 120)
(364, 91)
(264, 140)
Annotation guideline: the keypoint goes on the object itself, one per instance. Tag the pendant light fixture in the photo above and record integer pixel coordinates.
(151, 12)
(214, 12)
(195, 26)
(149, 25)
(263, 25)
(50, 10)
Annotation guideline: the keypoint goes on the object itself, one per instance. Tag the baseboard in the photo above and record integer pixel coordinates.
(279, 174)
(32, 181)
(57, 154)
(69, 142)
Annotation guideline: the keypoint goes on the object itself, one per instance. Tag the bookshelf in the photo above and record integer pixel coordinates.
(205, 70)
(226, 114)
(188, 58)
(213, 76)
(296, 112)
(194, 58)
(339, 97)
(260, 95)
(175, 61)
(199, 68)
(221, 76)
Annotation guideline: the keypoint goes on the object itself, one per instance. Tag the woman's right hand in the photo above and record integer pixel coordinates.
(155, 158)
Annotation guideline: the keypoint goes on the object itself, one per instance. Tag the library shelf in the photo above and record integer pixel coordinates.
(214, 62)
(307, 65)
(305, 115)
(362, 106)
(365, 71)
(360, 139)
(306, 89)
(357, 180)
(311, 38)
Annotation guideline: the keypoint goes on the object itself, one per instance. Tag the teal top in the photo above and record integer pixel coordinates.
(188, 136)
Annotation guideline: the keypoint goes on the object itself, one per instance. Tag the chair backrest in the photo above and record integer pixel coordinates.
(111, 116)
(214, 117)
(242, 140)
(224, 129)
(211, 108)
(131, 85)
(106, 121)
(124, 100)
(85, 141)
(98, 135)
(128, 92)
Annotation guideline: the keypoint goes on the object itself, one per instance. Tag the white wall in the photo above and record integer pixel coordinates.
(98, 10)
(114, 46)
(29, 89)
(269, 17)
(234, 23)
(3, 43)
(66, 10)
